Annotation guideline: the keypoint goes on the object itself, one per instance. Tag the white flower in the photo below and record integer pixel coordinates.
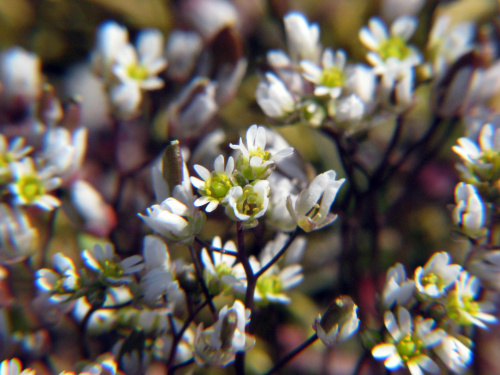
(254, 161)
(469, 212)
(13, 367)
(248, 203)
(209, 17)
(485, 265)
(390, 47)
(215, 185)
(31, 187)
(461, 304)
(217, 345)
(125, 99)
(108, 266)
(111, 39)
(176, 217)
(454, 353)
(437, 275)
(329, 79)
(61, 283)
(277, 212)
(10, 152)
(311, 211)
(407, 345)
(20, 76)
(362, 81)
(302, 38)
(338, 323)
(18, 239)
(219, 265)
(142, 66)
(64, 150)
(397, 288)
(349, 109)
(274, 97)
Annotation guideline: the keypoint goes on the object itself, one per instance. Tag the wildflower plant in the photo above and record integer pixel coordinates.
(180, 231)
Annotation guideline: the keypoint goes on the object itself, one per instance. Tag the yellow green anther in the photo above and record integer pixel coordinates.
(394, 47)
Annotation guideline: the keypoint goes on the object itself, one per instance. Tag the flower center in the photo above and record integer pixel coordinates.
(409, 347)
(217, 186)
(459, 308)
(332, 77)
(111, 268)
(137, 72)
(30, 187)
(250, 203)
(394, 47)
(430, 279)
(269, 285)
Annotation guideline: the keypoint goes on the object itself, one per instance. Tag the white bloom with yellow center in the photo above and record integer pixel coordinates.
(330, 78)
(248, 203)
(437, 275)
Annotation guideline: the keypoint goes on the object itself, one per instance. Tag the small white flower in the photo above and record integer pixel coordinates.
(274, 97)
(462, 306)
(302, 38)
(349, 109)
(125, 99)
(18, 239)
(32, 187)
(454, 353)
(13, 367)
(219, 266)
(437, 275)
(469, 212)
(141, 66)
(408, 343)
(217, 345)
(311, 211)
(182, 51)
(330, 78)
(108, 266)
(215, 185)
(277, 213)
(20, 76)
(111, 39)
(397, 288)
(255, 162)
(390, 47)
(61, 283)
(248, 203)
(338, 323)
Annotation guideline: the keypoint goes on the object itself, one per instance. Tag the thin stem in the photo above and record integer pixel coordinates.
(216, 249)
(251, 283)
(199, 275)
(287, 358)
(278, 255)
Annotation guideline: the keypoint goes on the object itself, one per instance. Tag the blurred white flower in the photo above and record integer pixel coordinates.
(32, 187)
(408, 343)
(338, 323)
(397, 288)
(182, 50)
(62, 283)
(11, 151)
(485, 265)
(20, 77)
(302, 38)
(462, 305)
(274, 98)
(210, 16)
(311, 211)
(218, 265)
(329, 79)
(277, 212)
(18, 239)
(454, 353)
(437, 275)
(13, 367)
(349, 109)
(469, 213)
(125, 99)
(111, 39)
(142, 64)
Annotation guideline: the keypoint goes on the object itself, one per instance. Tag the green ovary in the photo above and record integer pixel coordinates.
(249, 203)
(111, 269)
(217, 186)
(332, 77)
(409, 347)
(394, 47)
(269, 285)
(137, 72)
(30, 187)
(460, 308)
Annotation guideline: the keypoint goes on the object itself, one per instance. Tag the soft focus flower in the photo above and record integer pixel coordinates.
(111, 39)
(10, 152)
(462, 305)
(109, 267)
(18, 239)
(338, 323)
(20, 77)
(302, 38)
(219, 273)
(397, 288)
(454, 353)
(437, 275)
(62, 283)
(182, 50)
(485, 265)
(13, 367)
(311, 210)
(329, 79)
(274, 98)
(254, 161)
(125, 99)
(31, 187)
(141, 66)
(469, 212)
(408, 343)
(215, 185)
(248, 203)
(217, 345)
